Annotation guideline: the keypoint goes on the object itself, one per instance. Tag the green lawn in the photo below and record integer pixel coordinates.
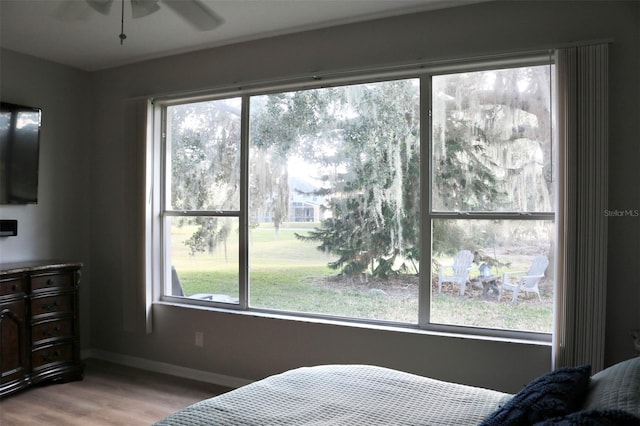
(292, 275)
(476, 312)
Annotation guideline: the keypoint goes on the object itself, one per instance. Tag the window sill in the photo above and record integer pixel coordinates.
(437, 330)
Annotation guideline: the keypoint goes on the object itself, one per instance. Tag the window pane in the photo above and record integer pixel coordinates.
(203, 255)
(492, 141)
(502, 251)
(334, 190)
(203, 156)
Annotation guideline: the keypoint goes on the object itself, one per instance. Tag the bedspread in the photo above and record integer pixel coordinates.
(344, 395)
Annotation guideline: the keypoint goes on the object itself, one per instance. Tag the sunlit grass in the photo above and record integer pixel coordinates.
(291, 275)
(453, 309)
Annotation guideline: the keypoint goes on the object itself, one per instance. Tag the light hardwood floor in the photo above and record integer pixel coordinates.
(110, 394)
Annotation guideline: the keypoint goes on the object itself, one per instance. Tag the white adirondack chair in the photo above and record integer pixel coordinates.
(461, 267)
(528, 282)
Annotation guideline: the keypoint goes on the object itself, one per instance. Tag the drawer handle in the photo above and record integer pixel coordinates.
(50, 306)
(14, 287)
(48, 332)
(51, 357)
(50, 282)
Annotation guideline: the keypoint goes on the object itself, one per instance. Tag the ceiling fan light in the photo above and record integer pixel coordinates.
(101, 6)
(142, 8)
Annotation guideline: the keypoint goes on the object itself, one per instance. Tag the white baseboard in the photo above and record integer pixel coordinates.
(165, 368)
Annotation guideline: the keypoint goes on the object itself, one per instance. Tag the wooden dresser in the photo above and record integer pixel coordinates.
(39, 333)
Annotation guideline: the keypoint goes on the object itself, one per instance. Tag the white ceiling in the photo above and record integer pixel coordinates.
(72, 33)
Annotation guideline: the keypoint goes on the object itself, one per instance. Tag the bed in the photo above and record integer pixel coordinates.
(369, 395)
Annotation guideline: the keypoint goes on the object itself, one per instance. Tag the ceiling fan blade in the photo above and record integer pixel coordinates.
(141, 8)
(101, 6)
(72, 11)
(196, 14)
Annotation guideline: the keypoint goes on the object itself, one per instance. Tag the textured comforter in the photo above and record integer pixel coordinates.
(344, 395)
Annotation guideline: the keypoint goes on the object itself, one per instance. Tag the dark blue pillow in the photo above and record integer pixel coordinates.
(594, 418)
(555, 394)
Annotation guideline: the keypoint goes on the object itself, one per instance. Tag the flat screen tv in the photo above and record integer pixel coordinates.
(19, 153)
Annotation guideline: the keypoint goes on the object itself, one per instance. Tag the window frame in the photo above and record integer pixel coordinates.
(158, 272)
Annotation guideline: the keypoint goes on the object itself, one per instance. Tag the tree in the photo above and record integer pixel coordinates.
(284, 125)
(491, 138)
(374, 210)
(364, 143)
(268, 187)
(204, 145)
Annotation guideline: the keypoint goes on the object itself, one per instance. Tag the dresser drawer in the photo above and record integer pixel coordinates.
(51, 304)
(60, 280)
(14, 285)
(40, 358)
(50, 330)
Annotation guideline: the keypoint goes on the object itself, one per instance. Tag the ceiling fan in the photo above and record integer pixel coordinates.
(194, 12)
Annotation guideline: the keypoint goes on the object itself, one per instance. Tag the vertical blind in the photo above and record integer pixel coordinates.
(583, 105)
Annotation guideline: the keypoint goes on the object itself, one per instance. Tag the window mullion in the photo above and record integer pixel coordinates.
(244, 205)
(162, 195)
(493, 215)
(212, 213)
(424, 292)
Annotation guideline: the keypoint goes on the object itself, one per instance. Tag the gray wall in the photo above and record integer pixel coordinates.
(58, 226)
(250, 346)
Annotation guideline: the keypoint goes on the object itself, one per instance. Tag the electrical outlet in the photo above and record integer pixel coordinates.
(199, 339)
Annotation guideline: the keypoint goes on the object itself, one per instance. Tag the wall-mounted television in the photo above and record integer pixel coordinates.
(19, 153)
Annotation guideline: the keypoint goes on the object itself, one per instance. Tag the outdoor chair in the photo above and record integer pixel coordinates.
(461, 268)
(528, 282)
(177, 290)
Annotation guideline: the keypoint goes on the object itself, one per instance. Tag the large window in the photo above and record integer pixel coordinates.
(492, 195)
(202, 200)
(425, 200)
